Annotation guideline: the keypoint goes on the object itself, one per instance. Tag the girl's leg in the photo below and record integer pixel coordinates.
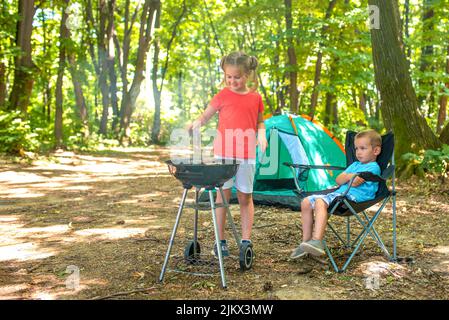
(221, 213)
(306, 219)
(246, 213)
(320, 219)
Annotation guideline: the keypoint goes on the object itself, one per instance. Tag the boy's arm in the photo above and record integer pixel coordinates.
(346, 177)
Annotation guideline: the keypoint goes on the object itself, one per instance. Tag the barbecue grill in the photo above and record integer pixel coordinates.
(205, 177)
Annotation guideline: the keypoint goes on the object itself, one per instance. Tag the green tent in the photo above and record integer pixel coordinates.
(294, 139)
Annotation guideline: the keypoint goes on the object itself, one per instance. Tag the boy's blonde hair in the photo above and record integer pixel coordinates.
(247, 64)
(372, 135)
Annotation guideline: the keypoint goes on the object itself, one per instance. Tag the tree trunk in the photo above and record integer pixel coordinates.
(45, 73)
(103, 63)
(292, 62)
(111, 66)
(399, 104)
(426, 52)
(64, 36)
(2, 85)
(156, 94)
(442, 113)
(79, 95)
(145, 36)
(362, 104)
(444, 136)
(23, 77)
(158, 91)
(406, 26)
(318, 65)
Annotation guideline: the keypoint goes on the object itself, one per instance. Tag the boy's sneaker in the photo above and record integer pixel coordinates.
(224, 249)
(298, 253)
(314, 247)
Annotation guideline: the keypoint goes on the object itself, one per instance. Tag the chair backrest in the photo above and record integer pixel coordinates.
(383, 158)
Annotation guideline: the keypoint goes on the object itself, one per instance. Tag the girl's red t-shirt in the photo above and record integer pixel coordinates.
(237, 123)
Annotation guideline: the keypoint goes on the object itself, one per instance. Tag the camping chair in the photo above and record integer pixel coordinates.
(343, 207)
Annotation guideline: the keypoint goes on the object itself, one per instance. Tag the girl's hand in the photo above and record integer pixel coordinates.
(262, 142)
(195, 125)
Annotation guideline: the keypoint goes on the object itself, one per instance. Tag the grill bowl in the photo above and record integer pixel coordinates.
(202, 175)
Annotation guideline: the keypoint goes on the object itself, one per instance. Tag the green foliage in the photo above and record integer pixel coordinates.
(208, 30)
(15, 134)
(435, 162)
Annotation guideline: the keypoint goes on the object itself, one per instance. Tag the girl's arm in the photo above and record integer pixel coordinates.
(203, 119)
(261, 133)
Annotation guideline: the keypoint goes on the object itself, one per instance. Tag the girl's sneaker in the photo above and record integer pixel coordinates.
(224, 249)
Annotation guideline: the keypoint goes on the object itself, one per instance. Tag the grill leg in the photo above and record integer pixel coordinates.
(217, 240)
(195, 223)
(231, 221)
(173, 234)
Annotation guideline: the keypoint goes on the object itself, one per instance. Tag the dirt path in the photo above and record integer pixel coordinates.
(107, 217)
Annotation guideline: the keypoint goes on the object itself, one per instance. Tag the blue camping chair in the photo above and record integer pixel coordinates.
(343, 207)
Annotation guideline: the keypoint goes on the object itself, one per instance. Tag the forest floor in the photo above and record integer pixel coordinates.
(105, 219)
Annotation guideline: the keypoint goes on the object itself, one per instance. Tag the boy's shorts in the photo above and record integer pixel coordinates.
(328, 198)
(244, 178)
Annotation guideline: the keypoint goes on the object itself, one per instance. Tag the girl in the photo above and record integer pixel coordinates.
(240, 122)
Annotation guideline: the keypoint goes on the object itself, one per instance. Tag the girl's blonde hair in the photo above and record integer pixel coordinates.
(247, 64)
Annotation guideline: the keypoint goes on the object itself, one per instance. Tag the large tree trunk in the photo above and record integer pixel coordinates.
(64, 35)
(318, 65)
(292, 62)
(399, 102)
(23, 78)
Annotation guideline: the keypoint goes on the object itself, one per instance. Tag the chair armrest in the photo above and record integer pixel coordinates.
(310, 166)
(369, 176)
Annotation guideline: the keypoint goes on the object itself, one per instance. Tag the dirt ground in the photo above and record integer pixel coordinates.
(97, 226)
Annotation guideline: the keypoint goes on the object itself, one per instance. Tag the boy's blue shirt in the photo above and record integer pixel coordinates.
(367, 190)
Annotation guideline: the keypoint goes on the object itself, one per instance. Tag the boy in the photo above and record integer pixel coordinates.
(368, 147)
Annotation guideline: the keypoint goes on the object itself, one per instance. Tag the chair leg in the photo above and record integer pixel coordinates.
(348, 233)
(331, 258)
(336, 233)
(395, 258)
(376, 237)
(368, 229)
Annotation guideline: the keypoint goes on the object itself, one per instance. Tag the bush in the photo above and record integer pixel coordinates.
(434, 162)
(16, 136)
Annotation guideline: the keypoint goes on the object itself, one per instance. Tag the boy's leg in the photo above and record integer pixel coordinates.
(321, 217)
(306, 219)
(221, 213)
(246, 213)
